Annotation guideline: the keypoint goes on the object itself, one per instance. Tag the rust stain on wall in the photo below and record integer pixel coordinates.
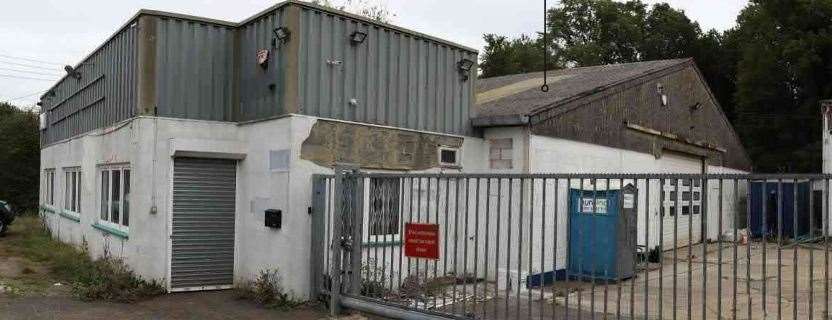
(370, 147)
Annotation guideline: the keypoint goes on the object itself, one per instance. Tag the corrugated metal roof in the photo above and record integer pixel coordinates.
(519, 95)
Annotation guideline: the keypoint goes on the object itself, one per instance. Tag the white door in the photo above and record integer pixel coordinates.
(682, 201)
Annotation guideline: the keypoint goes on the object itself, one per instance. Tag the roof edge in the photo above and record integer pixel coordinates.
(363, 19)
(499, 121)
(167, 14)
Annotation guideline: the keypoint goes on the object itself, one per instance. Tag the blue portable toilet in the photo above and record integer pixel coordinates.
(602, 233)
(764, 197)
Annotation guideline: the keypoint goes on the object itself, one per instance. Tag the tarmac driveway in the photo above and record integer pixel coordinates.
(199, 305)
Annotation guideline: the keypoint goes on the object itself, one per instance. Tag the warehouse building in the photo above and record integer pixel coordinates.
(172, 142)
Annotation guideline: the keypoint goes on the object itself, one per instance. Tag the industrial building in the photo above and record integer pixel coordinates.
(187, 146)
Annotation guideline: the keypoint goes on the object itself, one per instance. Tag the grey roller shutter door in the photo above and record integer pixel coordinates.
(204, 194)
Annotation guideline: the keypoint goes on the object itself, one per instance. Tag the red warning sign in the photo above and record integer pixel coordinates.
(421, 240)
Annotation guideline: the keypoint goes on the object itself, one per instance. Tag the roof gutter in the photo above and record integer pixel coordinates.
(500, 121)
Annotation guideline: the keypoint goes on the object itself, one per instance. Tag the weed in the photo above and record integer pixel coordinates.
(110, 279)
(373, 280)
(267, 291)
(414, 287)
(106, 278)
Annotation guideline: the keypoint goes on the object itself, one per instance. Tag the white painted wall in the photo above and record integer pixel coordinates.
(149, 144)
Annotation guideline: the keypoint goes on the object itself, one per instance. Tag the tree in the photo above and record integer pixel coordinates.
(502, 56)
(668, 33)
(594, 32)
(360, 7)
(784, 53)
(20, 157)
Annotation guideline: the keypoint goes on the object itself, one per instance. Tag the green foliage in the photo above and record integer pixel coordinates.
(503, 56)
(360, 7)
(19, 157)
(106, 279)
(267, 290)
(594, 32)
(782, 71)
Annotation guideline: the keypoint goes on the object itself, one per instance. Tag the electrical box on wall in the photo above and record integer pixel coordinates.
(274, 218)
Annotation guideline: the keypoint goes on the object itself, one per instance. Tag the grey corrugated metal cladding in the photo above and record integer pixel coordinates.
(104, 93)
(395, 78)
(180, 66)
(194, 70)
(261, 88)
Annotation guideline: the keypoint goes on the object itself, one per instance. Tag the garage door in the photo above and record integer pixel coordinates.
(678, 213)
(203, 223)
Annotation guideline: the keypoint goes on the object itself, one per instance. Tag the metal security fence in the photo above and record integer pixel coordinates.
(573, 246)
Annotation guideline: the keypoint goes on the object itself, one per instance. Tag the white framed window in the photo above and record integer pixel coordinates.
(114, 196)
(448, 156)
(385, 197)
(687, 195)
(72, 190)
(501, 153)
(49, 187)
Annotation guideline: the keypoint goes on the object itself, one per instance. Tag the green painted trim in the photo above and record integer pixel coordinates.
(381, 244)
(48, 209)
(70, 216)
(115, 232)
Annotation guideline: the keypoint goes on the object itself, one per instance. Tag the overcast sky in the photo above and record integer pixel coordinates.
(50, 33)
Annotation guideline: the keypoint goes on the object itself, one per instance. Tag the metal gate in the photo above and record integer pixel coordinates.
(503, 247)
(202, 240)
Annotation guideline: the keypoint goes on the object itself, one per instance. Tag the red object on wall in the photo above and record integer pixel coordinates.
(421, 241)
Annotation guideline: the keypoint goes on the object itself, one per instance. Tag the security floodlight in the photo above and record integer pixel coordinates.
(464, 67)
(357, 37)
(662, 94)
(282, 34)
(72, 72)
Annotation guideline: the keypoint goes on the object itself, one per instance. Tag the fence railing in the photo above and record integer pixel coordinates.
(571, 246)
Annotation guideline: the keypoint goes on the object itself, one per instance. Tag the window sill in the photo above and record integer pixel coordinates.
(48, 208)
(110, 230)
(376, 244)
(71, 216)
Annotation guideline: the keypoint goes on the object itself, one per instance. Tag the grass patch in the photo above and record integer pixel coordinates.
(268, 291)
(107, 278)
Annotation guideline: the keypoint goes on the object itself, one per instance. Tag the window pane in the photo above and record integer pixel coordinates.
(51, 177)
(67, 190)
(384, 206)
(79, 192)
(448, 156)
(73, 202)
(115, 203)
(105, 192)
(126, 215)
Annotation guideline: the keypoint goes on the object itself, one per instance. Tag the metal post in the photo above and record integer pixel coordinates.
(340, 240)
(355, 248)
